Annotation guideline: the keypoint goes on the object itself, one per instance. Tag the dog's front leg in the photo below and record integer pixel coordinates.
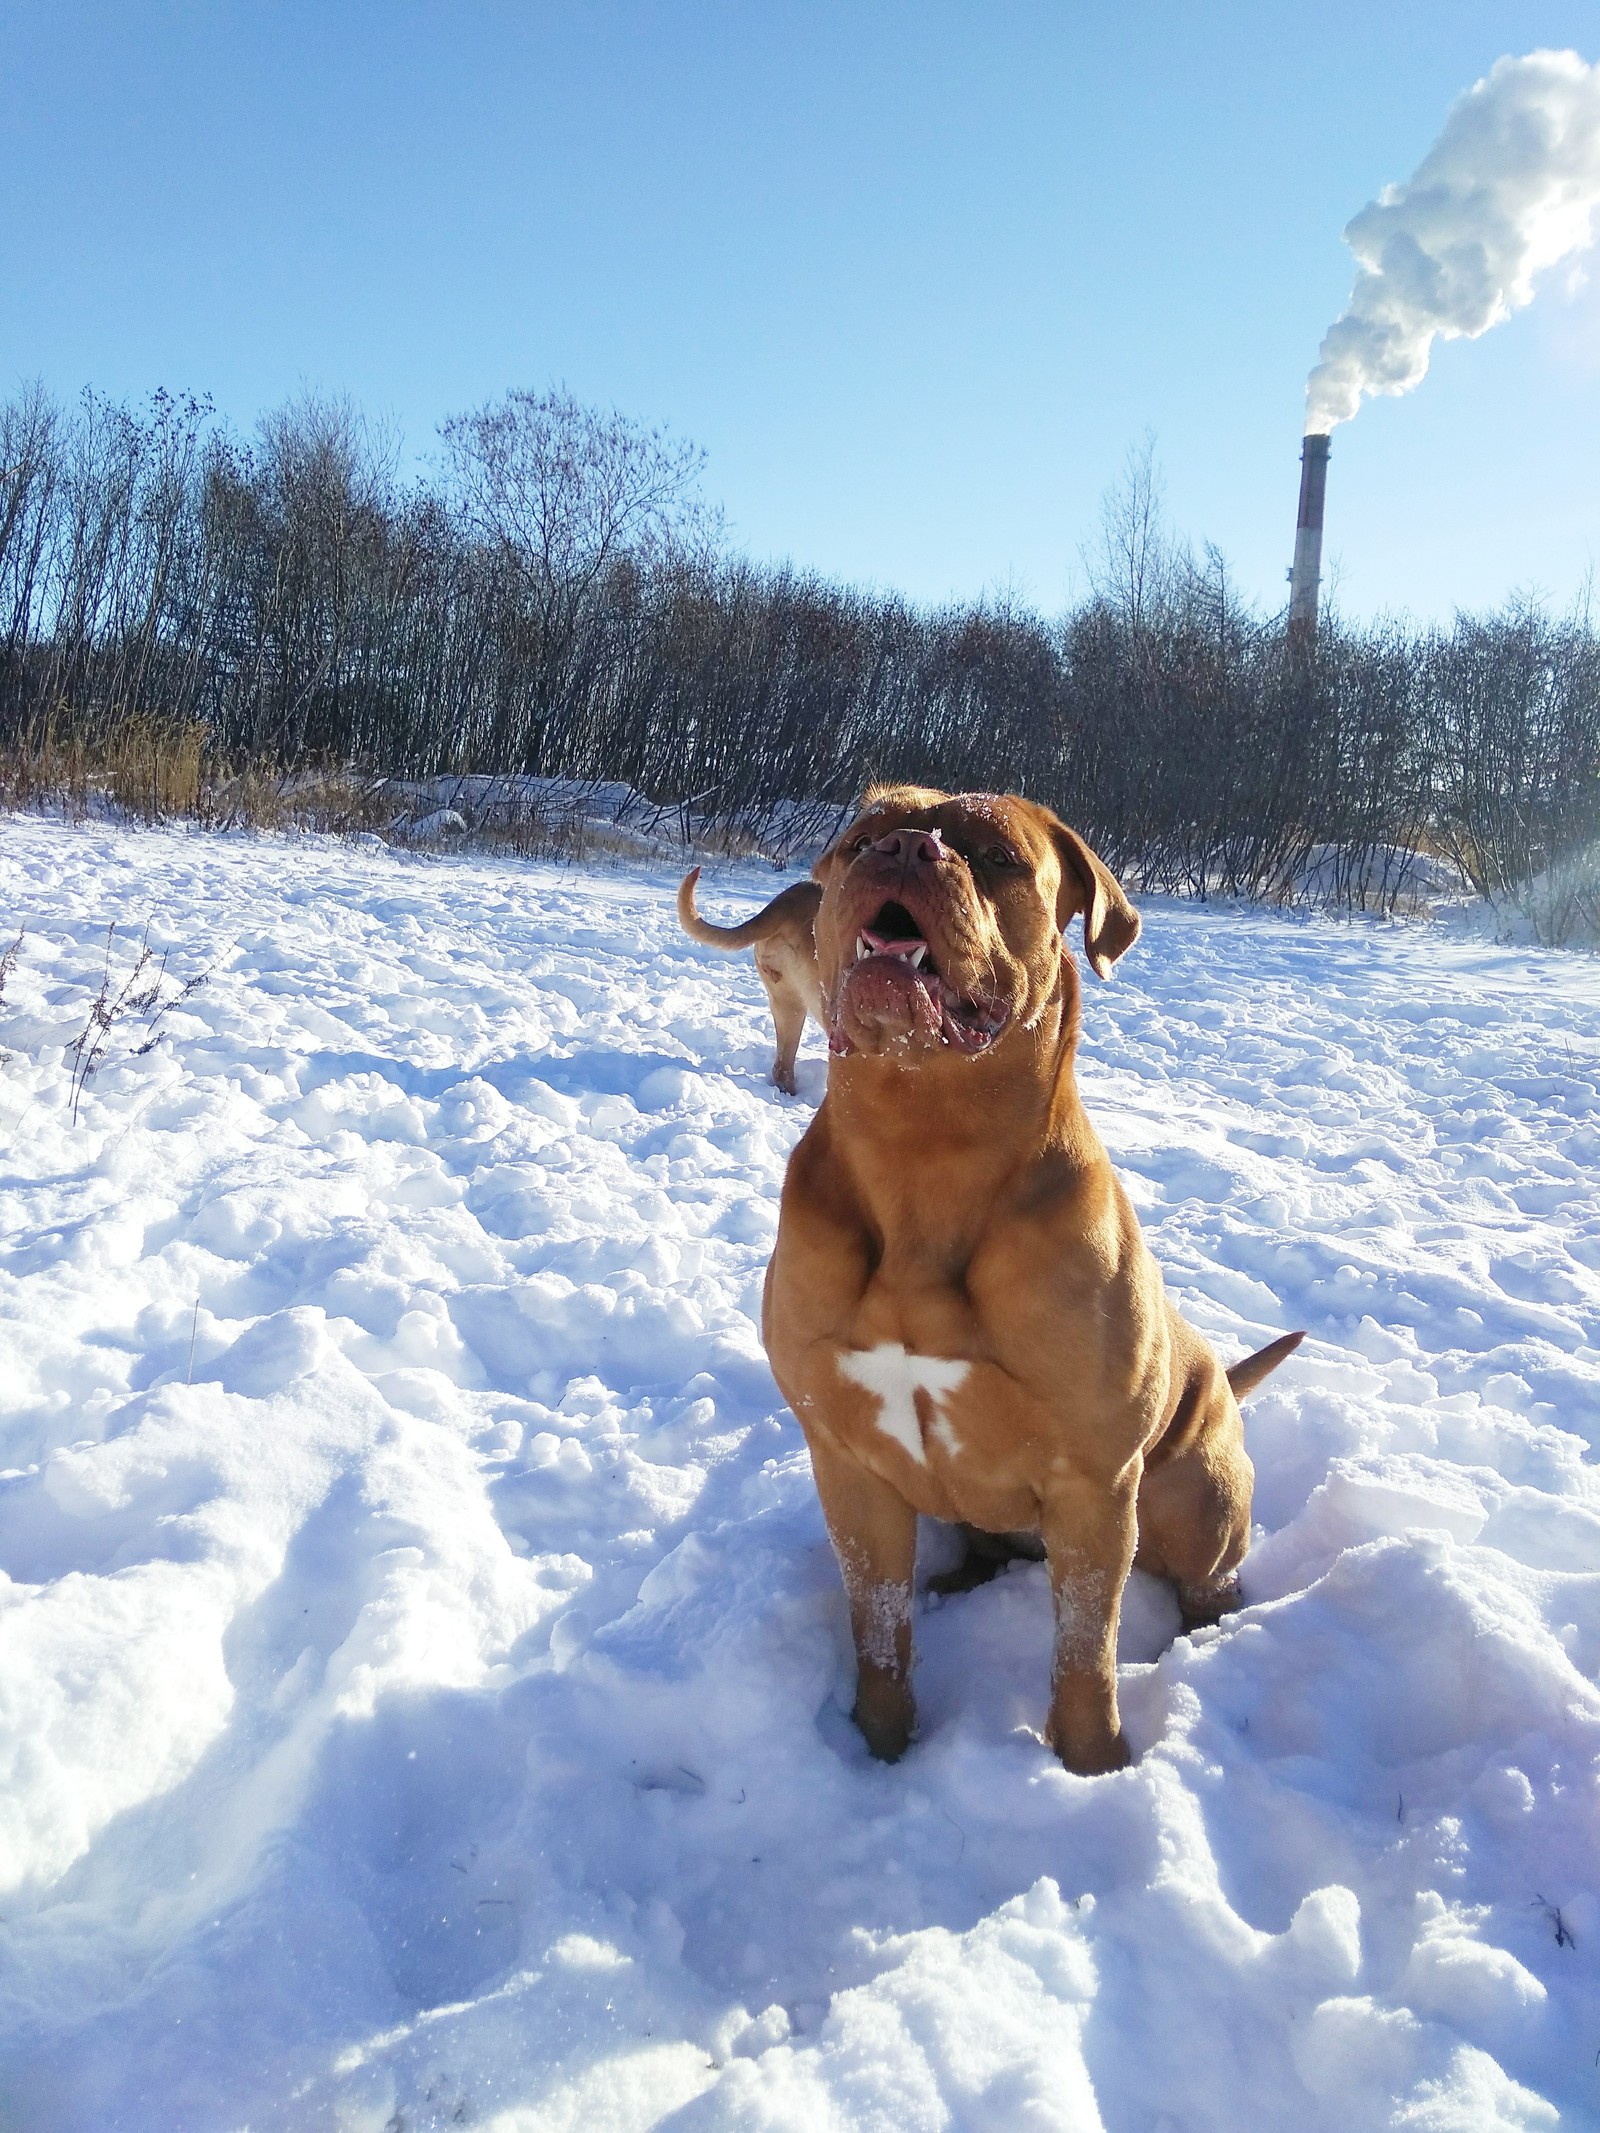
(874, 1535)
(1090, 1532)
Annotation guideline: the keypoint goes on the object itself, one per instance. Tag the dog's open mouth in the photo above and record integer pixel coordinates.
(968, 1021)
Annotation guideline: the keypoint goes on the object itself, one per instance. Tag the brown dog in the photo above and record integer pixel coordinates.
(960, 1308)
(785, 958)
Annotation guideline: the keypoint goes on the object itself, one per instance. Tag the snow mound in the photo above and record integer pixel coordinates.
(424, 1675)
(1377, 877)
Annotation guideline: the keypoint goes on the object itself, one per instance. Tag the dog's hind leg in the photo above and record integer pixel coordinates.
(1194, 1500)
(1194, 1524)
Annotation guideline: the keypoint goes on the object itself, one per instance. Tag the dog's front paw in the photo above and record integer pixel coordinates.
(887, 1716)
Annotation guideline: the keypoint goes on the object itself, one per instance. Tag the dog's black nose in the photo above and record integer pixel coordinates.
(925, 847)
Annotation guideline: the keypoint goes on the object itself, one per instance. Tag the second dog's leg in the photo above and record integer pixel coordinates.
(789, 1023)
(788, 1020)
(874, 1535)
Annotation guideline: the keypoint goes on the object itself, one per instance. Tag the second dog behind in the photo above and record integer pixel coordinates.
(785, 959)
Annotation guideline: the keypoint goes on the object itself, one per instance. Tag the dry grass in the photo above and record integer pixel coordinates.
(146, 768)
(141, 994)
(143, 767)
(8, 963)
(337, 800)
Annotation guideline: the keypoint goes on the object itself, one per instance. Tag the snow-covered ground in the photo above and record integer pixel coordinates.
(423, 1675)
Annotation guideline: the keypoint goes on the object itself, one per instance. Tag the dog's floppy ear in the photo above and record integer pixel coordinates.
(1110, 923)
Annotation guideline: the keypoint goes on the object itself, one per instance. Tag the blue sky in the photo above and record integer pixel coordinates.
(916, 275)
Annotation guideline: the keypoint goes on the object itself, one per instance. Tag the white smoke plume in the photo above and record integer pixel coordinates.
(1509, 188)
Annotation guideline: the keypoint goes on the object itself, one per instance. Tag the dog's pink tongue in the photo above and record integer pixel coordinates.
(882, 944)
(884, 1001)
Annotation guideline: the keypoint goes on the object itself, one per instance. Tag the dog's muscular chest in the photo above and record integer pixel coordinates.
(965, 1385)
(910, 1384)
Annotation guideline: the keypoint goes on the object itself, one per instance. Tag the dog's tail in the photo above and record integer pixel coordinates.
(794, 905)
(1246, 1375)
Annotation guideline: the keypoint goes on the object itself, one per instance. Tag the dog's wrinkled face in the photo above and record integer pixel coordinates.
(941, 921)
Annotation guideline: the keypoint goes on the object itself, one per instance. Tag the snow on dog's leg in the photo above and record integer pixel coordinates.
(1089, 1537)
(874, 1535)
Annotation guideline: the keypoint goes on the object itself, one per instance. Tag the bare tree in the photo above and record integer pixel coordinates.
(561, 605)
(563, 495)
(1136, 562)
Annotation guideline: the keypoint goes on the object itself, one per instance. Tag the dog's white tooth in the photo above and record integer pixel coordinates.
(861, 947)
(917, 954)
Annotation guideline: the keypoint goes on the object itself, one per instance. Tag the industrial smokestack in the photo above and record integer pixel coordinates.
(1306, 575)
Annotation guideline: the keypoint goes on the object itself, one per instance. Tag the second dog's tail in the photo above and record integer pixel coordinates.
(1247, 1374)
(795, 904)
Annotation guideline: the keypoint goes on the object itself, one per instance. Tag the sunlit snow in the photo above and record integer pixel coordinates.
(423, 1674)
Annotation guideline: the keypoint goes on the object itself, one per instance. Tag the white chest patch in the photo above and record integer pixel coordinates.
(895, 1378)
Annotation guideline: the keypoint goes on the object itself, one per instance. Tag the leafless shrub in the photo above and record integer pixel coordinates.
(8, 963)
(1562, 903)
(142, 996)
(277, 632)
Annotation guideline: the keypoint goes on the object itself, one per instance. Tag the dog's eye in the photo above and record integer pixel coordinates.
(1001, 855)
